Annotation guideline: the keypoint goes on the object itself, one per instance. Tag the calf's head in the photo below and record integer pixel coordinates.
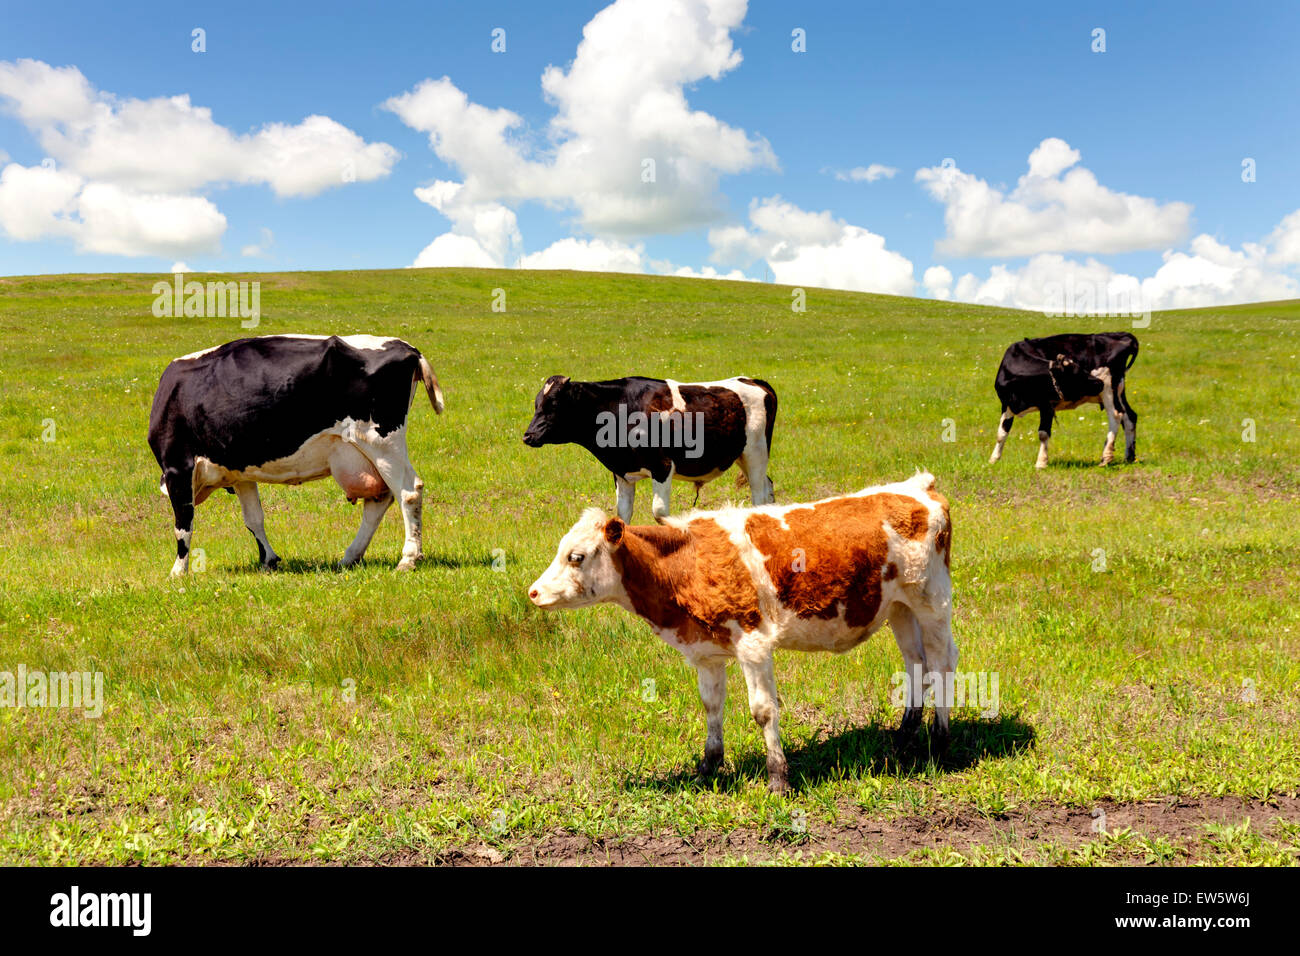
(586, 567)
(550, 414)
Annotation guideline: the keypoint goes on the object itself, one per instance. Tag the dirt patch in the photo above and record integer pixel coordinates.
(860, 833)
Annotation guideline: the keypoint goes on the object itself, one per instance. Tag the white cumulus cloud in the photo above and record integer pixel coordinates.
(708, 272)
(1208, 273)
(866, 174)
(483, 234)
(137, 163)
(1057, 206)
(624, 149)
(813, 249)
(937, 281)
(39, 202)
(1284, 241)
(587, 255)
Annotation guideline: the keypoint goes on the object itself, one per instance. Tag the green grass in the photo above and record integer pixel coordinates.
(229, 735)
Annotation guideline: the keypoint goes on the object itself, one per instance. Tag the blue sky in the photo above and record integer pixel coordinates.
(1166, 115)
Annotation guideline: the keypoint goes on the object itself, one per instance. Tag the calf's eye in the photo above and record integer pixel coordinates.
(575, 558)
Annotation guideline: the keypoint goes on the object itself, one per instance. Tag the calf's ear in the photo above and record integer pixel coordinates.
(614, 528)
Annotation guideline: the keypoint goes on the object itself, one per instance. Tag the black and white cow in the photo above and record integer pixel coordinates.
(1061, 372)
(662, 430)
(286, 409)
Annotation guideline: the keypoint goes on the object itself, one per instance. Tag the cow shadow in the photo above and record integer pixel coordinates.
(870, 750)
(331, 565)
(1085, 464)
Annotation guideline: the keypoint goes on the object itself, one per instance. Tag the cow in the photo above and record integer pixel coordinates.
(741, 583)
(285, 409)
(662, 430)
(1061, 372)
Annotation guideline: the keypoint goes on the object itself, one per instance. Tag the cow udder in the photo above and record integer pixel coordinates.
(355, 474)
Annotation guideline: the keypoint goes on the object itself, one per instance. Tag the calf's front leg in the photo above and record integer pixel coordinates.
(712, 679)
(625, 495)
(179, 482)
(760, 679)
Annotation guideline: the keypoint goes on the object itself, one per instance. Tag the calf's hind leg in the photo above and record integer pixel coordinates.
(1112, 419)
(1129, 419)
(372, 513)
(907, 633)
(941, 668)
(760, 679)
(663, 494)
(250, 503)
(389, 457)
(753, 465)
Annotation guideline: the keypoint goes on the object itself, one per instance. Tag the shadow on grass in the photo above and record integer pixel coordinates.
(309, 566)
(857, 752)
(1088, 464)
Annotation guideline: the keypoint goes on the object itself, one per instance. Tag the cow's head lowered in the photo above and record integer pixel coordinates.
(584, 570)
(551, 421)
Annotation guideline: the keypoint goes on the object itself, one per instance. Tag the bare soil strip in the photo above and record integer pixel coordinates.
(1182, 821)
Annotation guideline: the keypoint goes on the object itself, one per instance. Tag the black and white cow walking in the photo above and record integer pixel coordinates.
(286, 409)
(1061, 372)
(662, 430)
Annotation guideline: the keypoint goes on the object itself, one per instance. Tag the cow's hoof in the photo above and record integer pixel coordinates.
(910, 723)
(1041, 465)
(778, 784)
(939, 741)
(406, 564)
(271, 565)
(708, 766)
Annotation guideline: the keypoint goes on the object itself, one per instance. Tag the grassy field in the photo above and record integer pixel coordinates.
(1143, 620)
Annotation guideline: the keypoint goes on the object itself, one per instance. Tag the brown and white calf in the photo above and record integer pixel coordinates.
(742, 583)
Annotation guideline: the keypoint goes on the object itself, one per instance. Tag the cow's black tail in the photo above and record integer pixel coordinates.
(769, 408)
(1132, 356)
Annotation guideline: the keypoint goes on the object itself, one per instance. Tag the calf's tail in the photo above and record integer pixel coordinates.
(1132, 356)
(431, 385)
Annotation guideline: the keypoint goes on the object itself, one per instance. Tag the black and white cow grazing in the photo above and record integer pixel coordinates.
(1061, 372)
(662, 430)
(286, 409)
